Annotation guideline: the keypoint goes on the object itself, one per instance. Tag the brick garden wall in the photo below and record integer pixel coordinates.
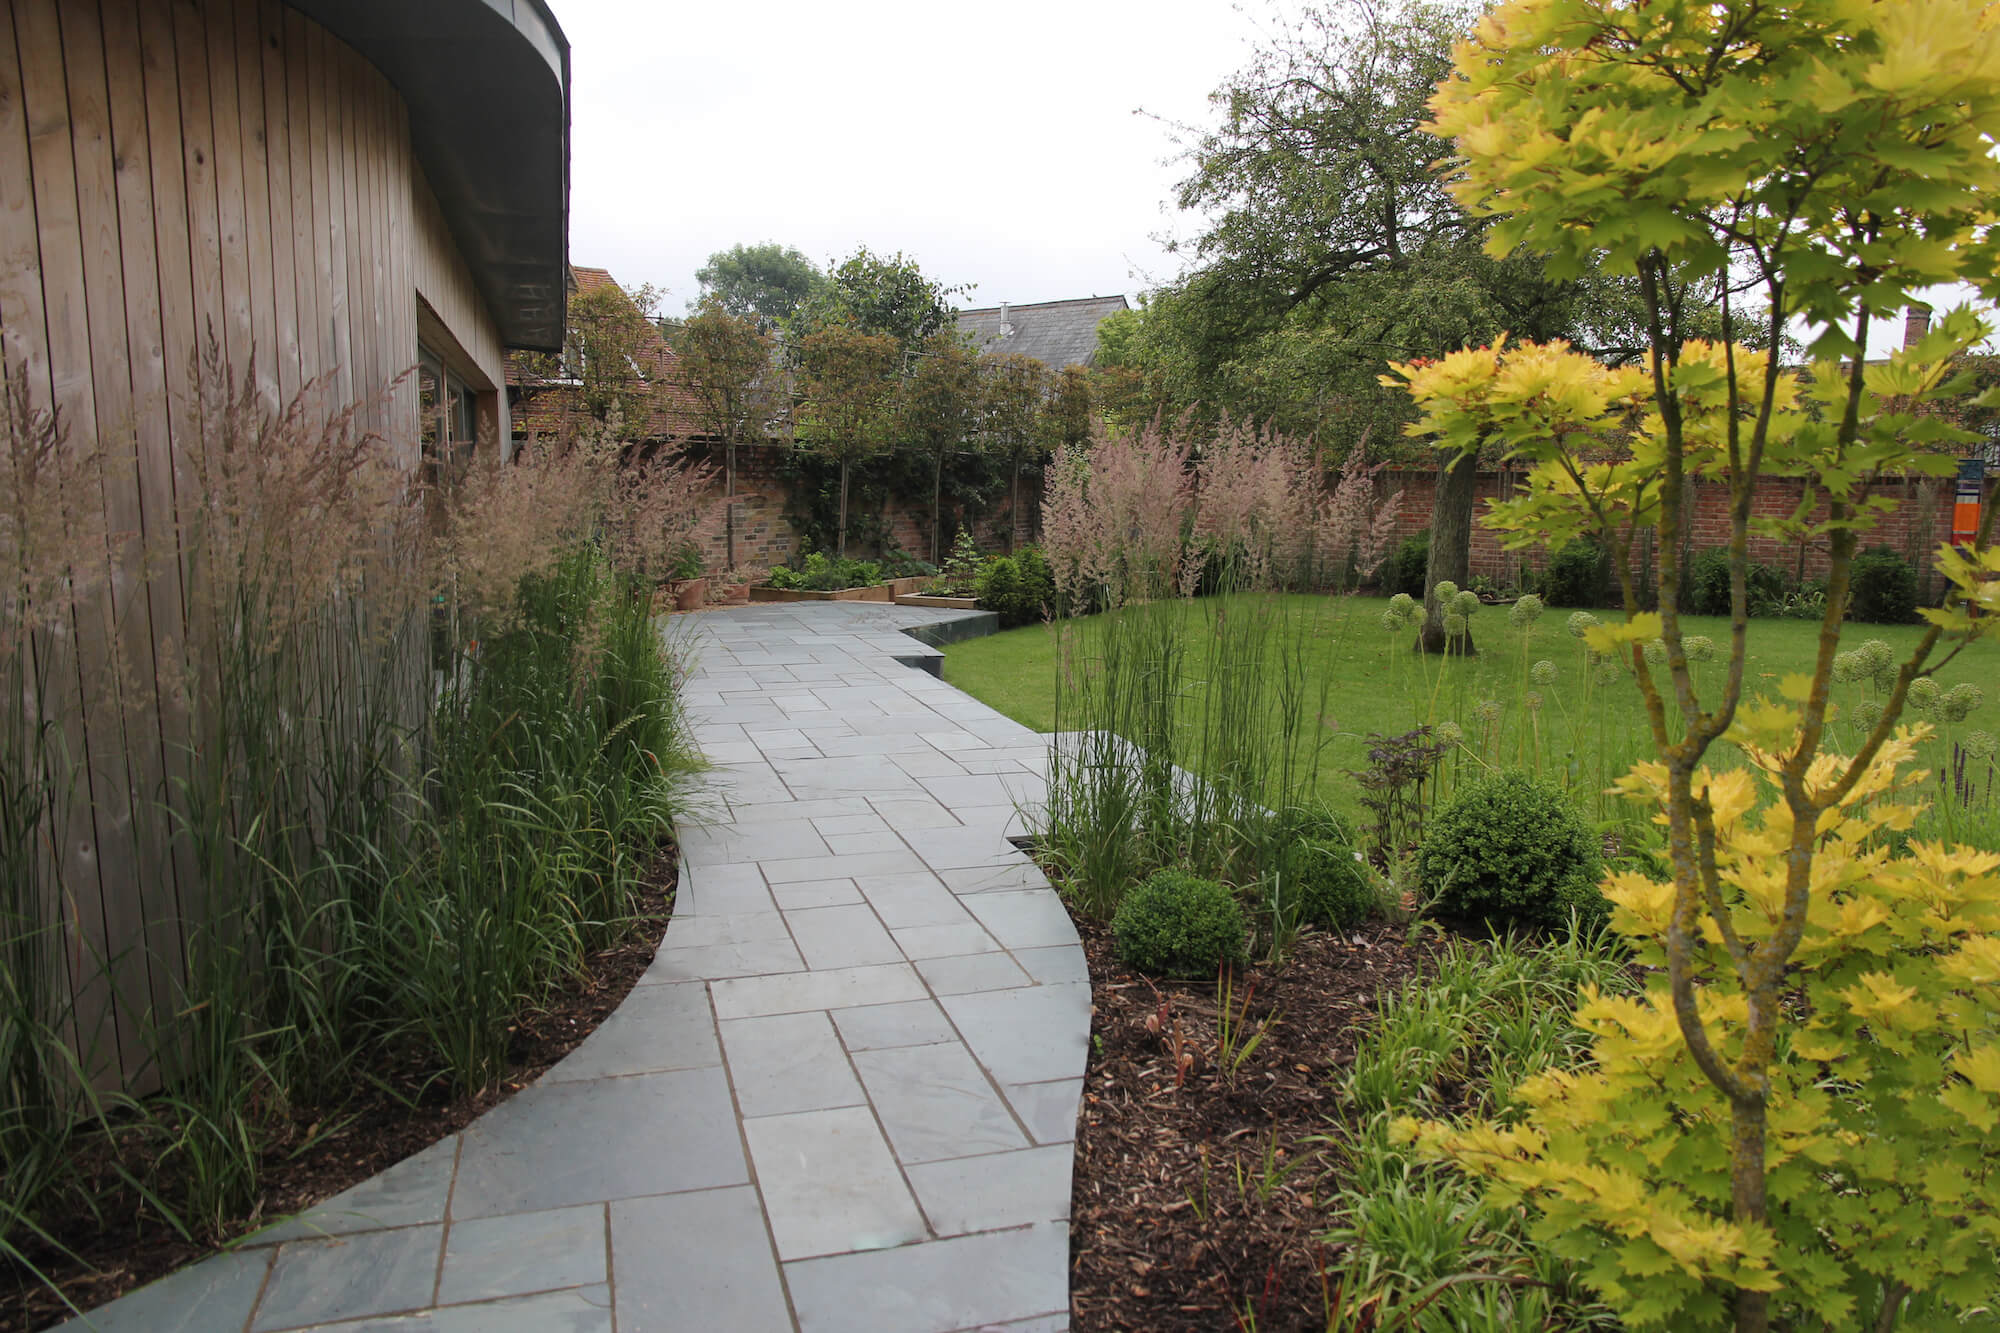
(1921, 519)
(764, 533)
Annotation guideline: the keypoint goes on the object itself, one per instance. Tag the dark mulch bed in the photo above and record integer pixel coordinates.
(1163, 1237)
(312, 1161)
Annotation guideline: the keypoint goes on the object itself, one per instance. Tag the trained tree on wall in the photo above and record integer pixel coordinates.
(726, 364)
(1793, 1126)
(1011, 416)
(940, 415)
(846, 409)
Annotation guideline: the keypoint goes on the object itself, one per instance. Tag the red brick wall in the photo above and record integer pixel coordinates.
(765, 537)
(1920, 520)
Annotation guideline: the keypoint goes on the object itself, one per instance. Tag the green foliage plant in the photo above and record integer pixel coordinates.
(1791, 1126)
(1021, 588)
(1577, 575)
(1510, 851)
(1403, 572)
(820, 572)
(1882, 589)
(1180, 924)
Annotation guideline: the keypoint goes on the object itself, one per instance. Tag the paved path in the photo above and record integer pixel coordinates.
(843, 1096)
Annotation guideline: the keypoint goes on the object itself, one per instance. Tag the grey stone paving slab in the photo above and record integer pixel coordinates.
(1047, 1109)
(913, 811)
(699, 930)
(1054, 965)
(1032, 919)
(1023, 874)
(696, 1263)
(657, 1029)
(965, 937)
(345, 1277)
(872, 1027)
(784, 1063)
(795, 895)
(965, 1282)
(961, 847)
(215, 1293)
(752, 840)
(990, 1193)
(748, 997)
(612, 1138)
(519, 1253)
(919, 898)
(929, 763)
(830, 1184)
(936, 1102)
(970, 973)
(708, 962)
(847, 867)
(831, 937)
(1029, 1035)
(850, 844)
(411, 1192)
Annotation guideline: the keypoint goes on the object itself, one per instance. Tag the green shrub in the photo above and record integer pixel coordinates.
(1178, 924)
(1407, 567)
(1578, 575)
(1883, 588)
(1708, 582)
(823, 573)
(1020, 588)
(1767, 591)
(1324, 883)
(1509, 850)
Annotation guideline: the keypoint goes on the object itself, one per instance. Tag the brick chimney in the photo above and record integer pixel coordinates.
(1916, 322)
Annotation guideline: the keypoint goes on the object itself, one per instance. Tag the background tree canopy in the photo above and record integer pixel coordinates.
(1334, 244)
(768, 281)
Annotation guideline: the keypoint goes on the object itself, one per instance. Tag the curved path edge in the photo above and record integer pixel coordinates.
(841, 1100)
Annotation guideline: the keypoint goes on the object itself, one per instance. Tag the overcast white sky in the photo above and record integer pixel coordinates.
(995, 146)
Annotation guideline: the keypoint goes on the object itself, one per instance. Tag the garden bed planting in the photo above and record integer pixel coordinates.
(1172, 1228)
(401, 1111)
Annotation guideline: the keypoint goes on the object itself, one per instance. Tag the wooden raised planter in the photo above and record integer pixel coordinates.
(874, 592)
(948, 603)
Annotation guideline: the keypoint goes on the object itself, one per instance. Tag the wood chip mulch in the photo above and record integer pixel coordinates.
(1200, 1195)
(319, 1154)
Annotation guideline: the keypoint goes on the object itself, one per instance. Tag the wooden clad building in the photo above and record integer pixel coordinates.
(367, 196)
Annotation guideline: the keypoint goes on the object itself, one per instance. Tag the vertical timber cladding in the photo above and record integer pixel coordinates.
(176, 175)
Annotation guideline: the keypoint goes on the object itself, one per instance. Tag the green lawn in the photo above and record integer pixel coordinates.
(1584, 733)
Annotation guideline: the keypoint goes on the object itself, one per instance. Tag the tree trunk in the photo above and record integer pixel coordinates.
(1014, 508)
(1451, 553)
(729, 502)
(840, 546)
(937, 511)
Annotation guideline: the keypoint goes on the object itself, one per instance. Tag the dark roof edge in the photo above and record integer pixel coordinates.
(487, 84)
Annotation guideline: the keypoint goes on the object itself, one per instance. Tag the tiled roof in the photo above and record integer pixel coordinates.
(1056, 333)
(541, 405)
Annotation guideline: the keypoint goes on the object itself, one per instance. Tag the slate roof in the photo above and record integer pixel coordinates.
(1056, 333)
(542, 405)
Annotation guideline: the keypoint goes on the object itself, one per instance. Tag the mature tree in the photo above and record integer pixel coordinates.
(1336, 247)
(1016, 388)
(1794, 1125)
(605, 361)
(882, 295)
(767, 282)
(726, 363)
(847, 408)
(1068, 410)
(941, 401)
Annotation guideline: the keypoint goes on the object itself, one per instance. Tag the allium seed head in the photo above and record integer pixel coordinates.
(1543, 672)
(1525, 612)
(1580, 622)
